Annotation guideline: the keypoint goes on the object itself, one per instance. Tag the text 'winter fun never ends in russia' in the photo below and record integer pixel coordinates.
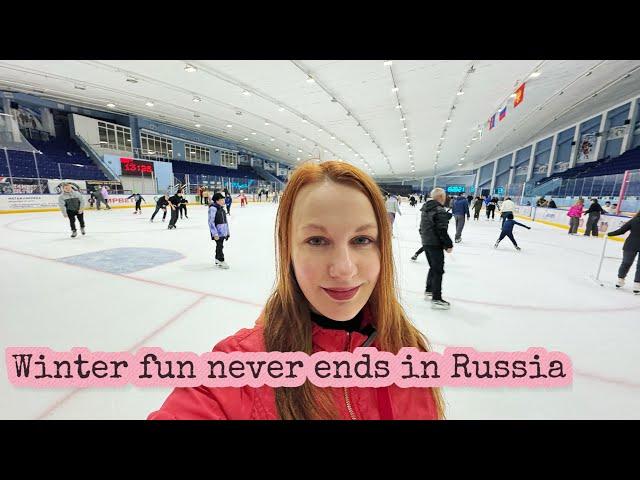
(365, 367)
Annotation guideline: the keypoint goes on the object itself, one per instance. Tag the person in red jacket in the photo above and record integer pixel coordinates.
(334, 292)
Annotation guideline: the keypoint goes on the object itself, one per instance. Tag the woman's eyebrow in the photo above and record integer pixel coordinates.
(366, 226)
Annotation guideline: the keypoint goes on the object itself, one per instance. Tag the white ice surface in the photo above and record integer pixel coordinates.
(501, 300)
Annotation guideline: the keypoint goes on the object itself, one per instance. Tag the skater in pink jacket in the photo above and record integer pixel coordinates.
(574, 214)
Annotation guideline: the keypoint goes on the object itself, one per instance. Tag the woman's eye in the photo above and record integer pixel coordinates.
(316, 241)
(362, 240)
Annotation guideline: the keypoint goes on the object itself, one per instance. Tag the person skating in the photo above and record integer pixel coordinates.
(574, 214)
(227, 201)
(161, 203)
(477, 206)
(105, 196)
(594, 211)
(508, 207)
(138, 199)
(491, 208)
(174, 205)
(98, 193)
(71, 205)
(630, 250)
(435, 239)
(392, 207)
(183, 207)
(460, 210)
(507, 230)
(218, 227)
(243, 199)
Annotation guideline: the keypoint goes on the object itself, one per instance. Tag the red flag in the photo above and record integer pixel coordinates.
(519, 95)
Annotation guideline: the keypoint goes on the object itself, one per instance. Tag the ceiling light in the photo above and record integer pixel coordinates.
(448, 120)
(298, 159)
(277, 149)
(111, 105)
(513, 95)
(402, 119)
(266, 124)
(299, 150)
(474, 138)
(246, 138)
(190, 68)
(304, 139)
(535, 75)
(197, 99)
(395, 89)
(333, 138)
(273, 139)
(281, 109)
(304, 120)
(388, 63)
(468, 146)
(404, 129)
(246, 93)
(319, 129)
(149, 104)
(310, 79)
(197, 125)
(437, 151)
(80, 87)
(460, 92)
(229, 125)
(441, 138)
(253, 133)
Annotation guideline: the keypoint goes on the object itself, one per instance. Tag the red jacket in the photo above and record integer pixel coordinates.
(248, 403)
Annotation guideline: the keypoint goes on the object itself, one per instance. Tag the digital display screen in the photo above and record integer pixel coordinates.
(133, 166)
(455, 188)
(499, 191)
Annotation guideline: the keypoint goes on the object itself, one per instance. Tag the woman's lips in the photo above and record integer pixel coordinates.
(341, 293)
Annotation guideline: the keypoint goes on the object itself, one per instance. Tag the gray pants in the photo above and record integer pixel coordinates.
(592, 224)
(460, 219)
(573, 224)
(628, 256)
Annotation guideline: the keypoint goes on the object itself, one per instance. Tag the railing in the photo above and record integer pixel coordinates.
(234, 185)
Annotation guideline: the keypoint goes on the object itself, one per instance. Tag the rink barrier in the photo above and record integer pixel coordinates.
(551, 217)
(49, 203)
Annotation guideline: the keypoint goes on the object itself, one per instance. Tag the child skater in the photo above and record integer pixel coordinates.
(183, 207)
(243, 199)
(139, 199)
(507, 230)
(218, 227)
(227, 202)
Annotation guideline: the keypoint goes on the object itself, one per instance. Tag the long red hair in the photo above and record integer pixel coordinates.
(286, 318)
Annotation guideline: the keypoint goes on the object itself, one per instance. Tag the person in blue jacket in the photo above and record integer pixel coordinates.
(460, 210)
(227, 202)
(507, 230)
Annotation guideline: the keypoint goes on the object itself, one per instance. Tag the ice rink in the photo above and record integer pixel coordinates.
(130, 283)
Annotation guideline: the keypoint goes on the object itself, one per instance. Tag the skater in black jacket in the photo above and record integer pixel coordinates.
(594, 211)
(507, 230)
(630, 251)
(161, 203)
(138, 199)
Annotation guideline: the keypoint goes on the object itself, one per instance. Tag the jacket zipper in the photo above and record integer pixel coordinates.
(347, 400)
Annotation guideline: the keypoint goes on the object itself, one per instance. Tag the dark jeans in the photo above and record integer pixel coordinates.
(592, 225)
(491, 210)
(435, 257)
(503, 216)
(628, 256)
(573, 224)
(420, 250)
(229, 209)
(507, 234)
(164, 214)
(476, 214)
(174, 217)
(219, 247)
(72, 219)
(105, 203)
(183, 208)
(460, 219)
(138, 207)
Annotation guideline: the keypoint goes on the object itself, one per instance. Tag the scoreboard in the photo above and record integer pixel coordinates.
(133, 166)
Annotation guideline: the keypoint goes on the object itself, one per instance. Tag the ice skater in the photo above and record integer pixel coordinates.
(630, 250)
(392, 208)
(161, 204)
(138, 199)
(477, 206)
(228, 201)
(491, 208)
(243, 199)
(174, 205)
(507, 230)
(71, 205)
(182, 208)
(218, 227)
(100, 198)
(460, 210)
(594, 211)
(574, 214)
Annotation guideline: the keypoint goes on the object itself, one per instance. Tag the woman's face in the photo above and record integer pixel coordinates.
(334, 248)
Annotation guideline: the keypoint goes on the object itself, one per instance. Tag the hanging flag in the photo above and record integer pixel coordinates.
(492, 121)
(519, 96)
(503, 113)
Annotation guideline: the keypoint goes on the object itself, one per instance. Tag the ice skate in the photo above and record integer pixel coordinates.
(82, 230)
(620, 283)
(636, 288)
(74, 234)
(414, 258)
(440, 304)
